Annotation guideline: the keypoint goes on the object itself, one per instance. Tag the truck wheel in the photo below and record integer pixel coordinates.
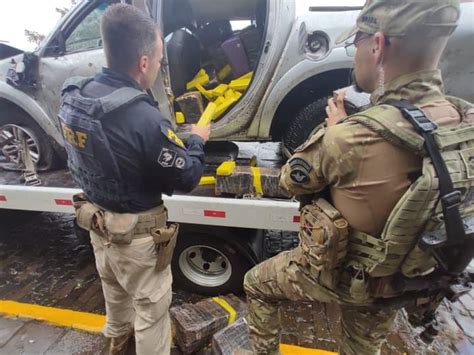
(303, 124)
(208, 265)
(14, 124)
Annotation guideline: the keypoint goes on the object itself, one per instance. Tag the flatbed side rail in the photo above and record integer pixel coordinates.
(216, 211)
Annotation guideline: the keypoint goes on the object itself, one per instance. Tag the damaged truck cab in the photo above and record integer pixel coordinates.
(259, 70)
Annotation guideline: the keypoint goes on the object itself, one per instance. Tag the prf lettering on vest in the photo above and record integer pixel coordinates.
(75, 138)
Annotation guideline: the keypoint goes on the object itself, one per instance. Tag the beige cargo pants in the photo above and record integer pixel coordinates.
(284, 278)
(136, 295)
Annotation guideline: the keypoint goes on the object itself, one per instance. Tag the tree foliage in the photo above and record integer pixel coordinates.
(64, 10)
(36, 37)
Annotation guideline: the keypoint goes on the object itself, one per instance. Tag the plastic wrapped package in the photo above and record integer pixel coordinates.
(196, 323)
(233, 339)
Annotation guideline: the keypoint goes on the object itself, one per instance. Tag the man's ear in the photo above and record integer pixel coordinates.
(378, 47)
(143, 63)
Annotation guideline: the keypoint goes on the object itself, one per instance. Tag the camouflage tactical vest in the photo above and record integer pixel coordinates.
(419, 210)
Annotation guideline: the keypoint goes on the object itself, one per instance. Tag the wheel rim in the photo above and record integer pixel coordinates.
(12, 151)
(205, 266)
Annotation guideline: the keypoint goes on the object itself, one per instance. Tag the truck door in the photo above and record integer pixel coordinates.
(161, 91)
(74, 50)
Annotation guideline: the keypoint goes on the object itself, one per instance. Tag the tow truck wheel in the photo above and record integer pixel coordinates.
(208, 265)
(15, 124)
(304, 124)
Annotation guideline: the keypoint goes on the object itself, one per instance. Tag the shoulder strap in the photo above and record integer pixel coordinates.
(121, 97)
(380, 119)
(111, 102)
(77, 82)
(450, 198)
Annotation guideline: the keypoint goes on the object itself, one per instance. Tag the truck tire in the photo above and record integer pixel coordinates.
(208, 265)
(303, 124)
(42, 151)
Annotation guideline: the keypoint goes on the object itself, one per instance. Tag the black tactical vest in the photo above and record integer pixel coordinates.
(90, 158)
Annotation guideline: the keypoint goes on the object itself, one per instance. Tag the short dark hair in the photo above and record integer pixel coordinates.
(127, 34)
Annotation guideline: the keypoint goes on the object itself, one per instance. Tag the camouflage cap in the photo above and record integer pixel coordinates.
(400, 17)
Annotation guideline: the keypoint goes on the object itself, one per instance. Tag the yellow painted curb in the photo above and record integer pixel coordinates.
(286, 349)
(89, 322)
(93, 323)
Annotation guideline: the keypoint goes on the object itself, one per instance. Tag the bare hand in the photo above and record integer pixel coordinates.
(335, 109)
(202, 131)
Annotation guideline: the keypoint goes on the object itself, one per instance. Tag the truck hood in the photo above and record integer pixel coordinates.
(7, 51)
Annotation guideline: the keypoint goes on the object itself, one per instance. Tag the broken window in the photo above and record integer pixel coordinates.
(86, 36)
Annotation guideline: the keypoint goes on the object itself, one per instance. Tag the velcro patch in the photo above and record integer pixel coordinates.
(180, 163)
(79, 139)
(300, 170)
(369, 19)
(298, 163)
(167, 158)
(299, 176)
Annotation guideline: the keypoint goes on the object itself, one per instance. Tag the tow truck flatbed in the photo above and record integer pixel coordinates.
(232, 233)
(200, 207)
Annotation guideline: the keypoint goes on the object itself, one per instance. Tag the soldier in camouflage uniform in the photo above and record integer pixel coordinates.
(399, 45)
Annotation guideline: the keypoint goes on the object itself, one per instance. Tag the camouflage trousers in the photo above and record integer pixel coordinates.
(284, 277)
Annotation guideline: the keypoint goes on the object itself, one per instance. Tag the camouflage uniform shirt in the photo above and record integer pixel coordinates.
(366, 174)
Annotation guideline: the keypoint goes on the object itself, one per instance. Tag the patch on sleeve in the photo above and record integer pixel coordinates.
(180, 163)
(301, 164)
(299, 176)
(299, 170)
(167, 158)
(171, 136)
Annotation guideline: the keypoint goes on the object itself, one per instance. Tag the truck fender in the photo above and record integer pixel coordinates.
(301, 72)
(31, 107)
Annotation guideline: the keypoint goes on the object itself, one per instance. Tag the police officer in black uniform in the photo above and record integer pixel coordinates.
(124, 154)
